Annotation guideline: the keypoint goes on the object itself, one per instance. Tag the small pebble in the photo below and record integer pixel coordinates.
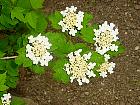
(94, 103)
(49, 101)
(87, 93)
(45, 92)
(139, 97)
(137, 48)
(68, 99)
(137, 7)
(125, 33)
(102, 84)
(138, 70)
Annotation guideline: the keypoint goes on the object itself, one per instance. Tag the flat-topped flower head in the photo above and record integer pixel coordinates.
(6, 99)
(72, 21)
(78, 67)
(37, 50)
(106, 67)
(104, 36)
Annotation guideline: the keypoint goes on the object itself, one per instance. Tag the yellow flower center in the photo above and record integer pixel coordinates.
(104, 67)
(38, 49)
(70, 20)
(105, 39)
(78, 67)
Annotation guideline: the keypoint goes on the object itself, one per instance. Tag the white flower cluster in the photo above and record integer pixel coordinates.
(72, 21)
(37, 50)
(106, 67)
(78, 67)
(6, 99)
(104, 36)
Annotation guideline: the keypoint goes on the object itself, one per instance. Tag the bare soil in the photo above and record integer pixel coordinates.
(120, 88)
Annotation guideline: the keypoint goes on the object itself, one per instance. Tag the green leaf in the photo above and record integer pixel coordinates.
(2, 27)
(27, 62)
(60, 74)
(36, 3)
(12, 68)
(1, 54)
(82, 46)
(63, 50)
(17, 12)
(95, 26)
(87, 18)
(56, 39)
(38, 69)
(95, 71)
(24, 4)
(97, 58)
(6, 7)
(18, 60)
(55, 18)
(17, 101)
(41, 23)
(2, 78)
(2, 64)
(87, 34)
(37, 21)
(3, 87)
(14, 1)
(0, 103)
(31, 18)
(11, 81)
(22, 59)
(20, 42)
(61, 47)
(3, 44)
(6, 21)
(25, 39)
(121, 50)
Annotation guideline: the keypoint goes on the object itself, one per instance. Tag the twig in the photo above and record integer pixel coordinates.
(12, 57)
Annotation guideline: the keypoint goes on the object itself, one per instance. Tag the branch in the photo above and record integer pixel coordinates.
(12, 57)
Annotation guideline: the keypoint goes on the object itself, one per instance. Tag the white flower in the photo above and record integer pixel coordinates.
(91, 65)
(106, 67)
(90, 74)
(36, 50)
(6, 99)
(72, 32)
(72, 21)
(113, 47)
(78, 68)
(107, 57)
(87, 56)
(104, 36)
(103, 74)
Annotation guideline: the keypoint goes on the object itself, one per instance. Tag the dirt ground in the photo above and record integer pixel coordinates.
(120, 88)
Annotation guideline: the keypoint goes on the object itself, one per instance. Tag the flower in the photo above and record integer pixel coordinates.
(37, 50)
(107, 57)
(6, 99)
(78, 67)
(104, 36)
(106, 67)
(71, 20)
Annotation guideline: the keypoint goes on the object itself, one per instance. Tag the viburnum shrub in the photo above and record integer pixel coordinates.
(18, 20)
(26, 43)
